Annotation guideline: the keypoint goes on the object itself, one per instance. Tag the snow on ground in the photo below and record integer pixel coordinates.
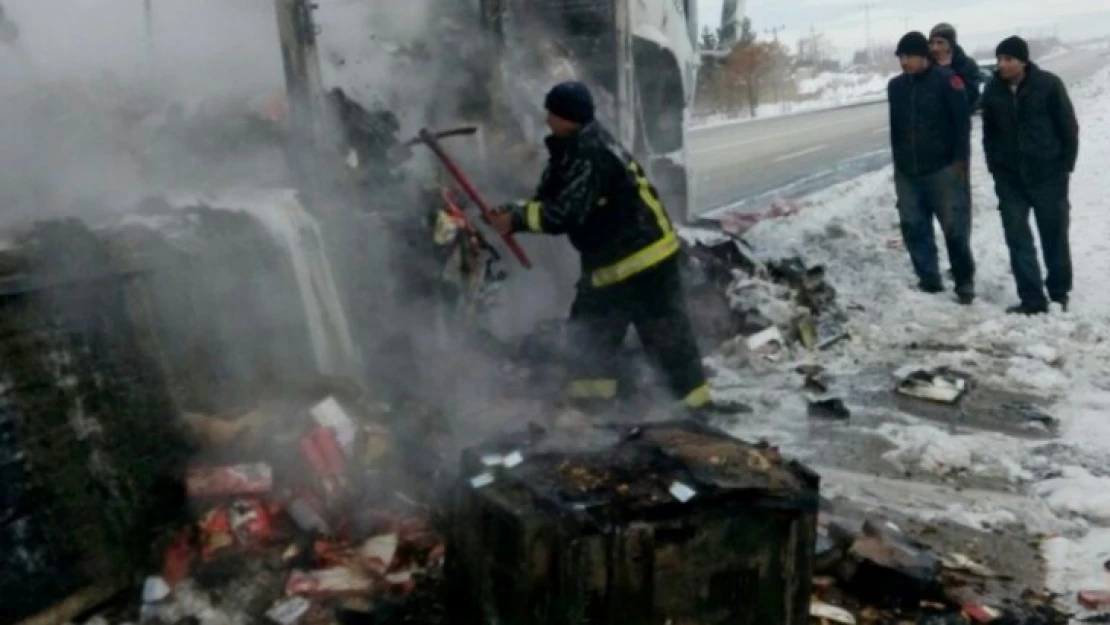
(826, 90)
(852, 229)
(1053, 53)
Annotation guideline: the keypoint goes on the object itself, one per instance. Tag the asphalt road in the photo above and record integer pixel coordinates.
(744, 165)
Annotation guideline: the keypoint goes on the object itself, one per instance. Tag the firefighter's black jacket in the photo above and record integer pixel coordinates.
(930, 122)
(1031, 134)
(596, 193)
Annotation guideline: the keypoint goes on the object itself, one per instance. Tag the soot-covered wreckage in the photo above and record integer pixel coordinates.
(249, 406)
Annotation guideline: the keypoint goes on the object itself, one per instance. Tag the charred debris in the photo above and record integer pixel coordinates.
(209, 417)
(153, 432)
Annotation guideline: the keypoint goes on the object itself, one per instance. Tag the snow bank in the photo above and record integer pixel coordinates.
(1064, 357)
(824, 91)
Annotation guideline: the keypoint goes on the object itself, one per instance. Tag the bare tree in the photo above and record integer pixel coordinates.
(750, 68)
(816, 51)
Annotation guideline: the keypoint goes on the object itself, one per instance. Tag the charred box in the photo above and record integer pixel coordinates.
(669, 523)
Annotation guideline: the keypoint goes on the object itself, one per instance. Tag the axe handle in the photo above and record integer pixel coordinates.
(465, 130)
(433, 144)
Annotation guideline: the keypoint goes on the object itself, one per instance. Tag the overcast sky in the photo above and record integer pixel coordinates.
(980, 22)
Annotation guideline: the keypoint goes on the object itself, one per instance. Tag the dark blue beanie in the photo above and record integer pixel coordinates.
(572, 101)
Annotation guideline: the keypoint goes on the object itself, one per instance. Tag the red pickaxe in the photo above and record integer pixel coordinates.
(431, 139)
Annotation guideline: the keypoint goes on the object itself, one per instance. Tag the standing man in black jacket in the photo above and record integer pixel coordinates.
(597, 194)
(1031, 140)
(930, 137)
(948, 53)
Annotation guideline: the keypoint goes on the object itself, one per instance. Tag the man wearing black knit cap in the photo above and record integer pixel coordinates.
(948, 53)
(596, 193)
(930, 137)
(1031, 141)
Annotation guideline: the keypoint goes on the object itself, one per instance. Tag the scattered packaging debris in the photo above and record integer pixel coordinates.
(826, 612)
(962, 563)
(288, 611)
(767, 343)
(245, 479)
(829, 408)
(329, 583)
(762, 293)
(981, 613)
(1032, 415)
(1094, 599)
(329, 413)
(155, 589)
(940, 385)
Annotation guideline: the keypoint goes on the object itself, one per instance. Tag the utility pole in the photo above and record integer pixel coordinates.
(148, 23)
(867, 6)
(774, 32)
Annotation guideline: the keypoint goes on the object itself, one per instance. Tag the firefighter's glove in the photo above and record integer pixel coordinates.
(503, 219)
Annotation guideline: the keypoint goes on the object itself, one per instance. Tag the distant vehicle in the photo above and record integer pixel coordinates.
(987, 68)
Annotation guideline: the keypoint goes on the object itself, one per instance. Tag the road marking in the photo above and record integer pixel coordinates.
(779, 135)
(810, 128)
(793, 155)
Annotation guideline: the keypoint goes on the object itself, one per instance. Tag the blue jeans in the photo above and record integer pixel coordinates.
(1048, 201)
(942, 195)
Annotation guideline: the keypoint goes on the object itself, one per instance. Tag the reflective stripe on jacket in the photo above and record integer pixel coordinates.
(596, 193)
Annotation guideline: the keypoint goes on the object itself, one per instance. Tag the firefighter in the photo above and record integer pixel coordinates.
(596, 193)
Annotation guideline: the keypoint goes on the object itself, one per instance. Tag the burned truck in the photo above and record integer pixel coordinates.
(640, 59)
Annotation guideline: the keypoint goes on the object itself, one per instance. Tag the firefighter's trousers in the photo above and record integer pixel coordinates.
(653, 302)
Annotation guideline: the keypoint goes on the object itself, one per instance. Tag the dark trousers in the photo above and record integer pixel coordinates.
(942, 195)
(653, 302)
(1052, 211)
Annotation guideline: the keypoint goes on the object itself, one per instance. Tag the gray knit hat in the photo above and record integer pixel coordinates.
(944, 31)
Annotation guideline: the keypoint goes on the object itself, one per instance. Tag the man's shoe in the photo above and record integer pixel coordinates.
(930, 287)
(1063, 302)
(1027, 309)
(965, 299)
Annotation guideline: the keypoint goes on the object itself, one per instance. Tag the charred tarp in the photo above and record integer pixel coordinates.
(664, 522)
(87, 442)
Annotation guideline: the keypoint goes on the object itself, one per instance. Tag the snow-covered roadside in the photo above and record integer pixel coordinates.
(829, 90)
(852, 229)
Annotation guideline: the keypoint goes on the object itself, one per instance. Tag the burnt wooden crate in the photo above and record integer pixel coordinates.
(665, 523)
(89, 448)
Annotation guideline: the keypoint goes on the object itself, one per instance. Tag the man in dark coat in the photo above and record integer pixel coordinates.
(948, 53)
(1031, 141)
(930, 137)
(596, 193)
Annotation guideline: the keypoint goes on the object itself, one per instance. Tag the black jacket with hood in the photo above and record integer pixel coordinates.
(1030, 133)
